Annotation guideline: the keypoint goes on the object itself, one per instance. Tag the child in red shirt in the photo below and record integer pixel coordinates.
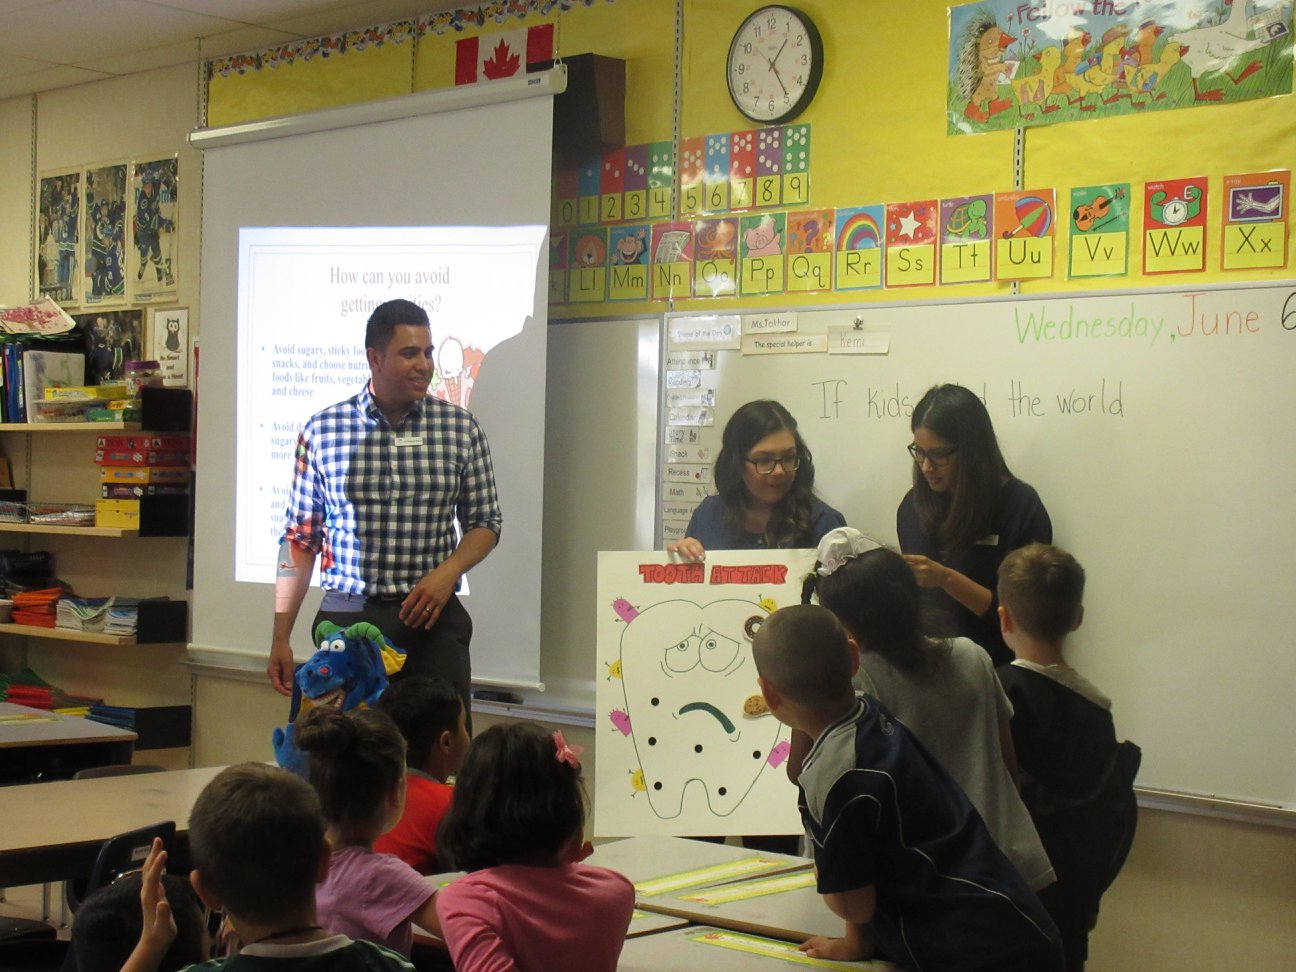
(430, 715)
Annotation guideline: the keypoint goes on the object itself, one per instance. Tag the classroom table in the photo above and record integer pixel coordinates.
(36, 744)
(723, 950)
(53, 831)
(716, 884)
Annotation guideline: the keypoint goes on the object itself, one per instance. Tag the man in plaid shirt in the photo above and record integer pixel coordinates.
(380, 479)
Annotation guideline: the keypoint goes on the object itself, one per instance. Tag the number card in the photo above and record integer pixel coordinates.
(611, 185)
(692, 176)
(634, 204)
(769, 167)
(796, 165)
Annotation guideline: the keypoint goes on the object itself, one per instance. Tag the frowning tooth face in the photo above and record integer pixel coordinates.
(687, 670)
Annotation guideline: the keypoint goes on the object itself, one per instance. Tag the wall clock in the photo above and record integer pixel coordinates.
(775, 63)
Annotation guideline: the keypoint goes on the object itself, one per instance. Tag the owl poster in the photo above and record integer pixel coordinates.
(685, 744)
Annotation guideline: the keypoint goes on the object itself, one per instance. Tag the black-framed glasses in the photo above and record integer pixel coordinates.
(937, 457)
(765, 464)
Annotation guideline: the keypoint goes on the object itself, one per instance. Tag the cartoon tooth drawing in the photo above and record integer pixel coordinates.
(687, 672)
(621, 719)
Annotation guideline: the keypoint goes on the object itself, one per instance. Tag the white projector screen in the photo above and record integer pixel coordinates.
(302, 235)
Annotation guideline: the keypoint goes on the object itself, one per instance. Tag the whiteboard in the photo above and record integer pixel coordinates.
(1157, 428)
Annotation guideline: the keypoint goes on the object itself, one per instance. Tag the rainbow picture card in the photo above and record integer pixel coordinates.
(1174, 226)
(911, 243)
(1025, 228)
(809, 250)
(1256, 207)
(966, 234)
(671, 260)
(1099, 231)
(858, 236)
(715, 264)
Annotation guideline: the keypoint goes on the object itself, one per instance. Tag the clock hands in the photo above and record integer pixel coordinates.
(778, 77)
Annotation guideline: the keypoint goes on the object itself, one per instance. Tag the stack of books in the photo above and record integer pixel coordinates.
(109, 615)
(36, 608)
(135, 466)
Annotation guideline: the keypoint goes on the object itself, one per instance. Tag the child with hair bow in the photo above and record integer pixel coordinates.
(517, 826)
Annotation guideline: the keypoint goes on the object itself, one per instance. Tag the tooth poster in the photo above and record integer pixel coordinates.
(685, 745)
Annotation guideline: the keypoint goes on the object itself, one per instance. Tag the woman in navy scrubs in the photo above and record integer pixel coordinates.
(965, 513)
(765, 477)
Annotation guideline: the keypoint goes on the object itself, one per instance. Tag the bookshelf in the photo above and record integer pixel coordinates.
(54, 461)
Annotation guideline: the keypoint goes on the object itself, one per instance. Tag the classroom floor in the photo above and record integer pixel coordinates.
(25, 902)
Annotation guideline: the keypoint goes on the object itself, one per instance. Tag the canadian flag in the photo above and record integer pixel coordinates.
(488, 57)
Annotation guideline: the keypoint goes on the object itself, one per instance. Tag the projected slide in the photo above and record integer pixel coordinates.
(304, 295)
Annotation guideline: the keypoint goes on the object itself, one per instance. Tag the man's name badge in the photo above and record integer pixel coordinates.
(407, 441)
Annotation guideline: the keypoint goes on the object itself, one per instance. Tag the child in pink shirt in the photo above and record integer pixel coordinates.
(357, 767)
(517, 826)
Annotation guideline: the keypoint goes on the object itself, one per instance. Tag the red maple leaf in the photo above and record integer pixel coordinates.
(501, 64)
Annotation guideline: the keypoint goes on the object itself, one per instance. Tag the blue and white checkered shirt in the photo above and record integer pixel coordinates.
(380, 502)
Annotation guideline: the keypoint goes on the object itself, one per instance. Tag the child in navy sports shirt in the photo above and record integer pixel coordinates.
(900, 853)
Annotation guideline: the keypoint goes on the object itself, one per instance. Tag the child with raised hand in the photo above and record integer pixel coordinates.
(256, 838)
(358, 769)
(944, 691)
(146, 922)
(1077, 780)
(430, 714)
(517, 825)
(900, 854)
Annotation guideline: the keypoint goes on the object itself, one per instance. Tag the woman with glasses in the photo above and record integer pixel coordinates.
(765, 478)
(964, 514)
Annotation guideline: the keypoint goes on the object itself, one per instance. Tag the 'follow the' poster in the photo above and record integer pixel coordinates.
(1014, 64)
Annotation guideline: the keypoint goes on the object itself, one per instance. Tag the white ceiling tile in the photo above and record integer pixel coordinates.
(101, 27)
(61, 76)
(12, 66)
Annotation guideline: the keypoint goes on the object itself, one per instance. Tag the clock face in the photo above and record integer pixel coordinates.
(775, 63)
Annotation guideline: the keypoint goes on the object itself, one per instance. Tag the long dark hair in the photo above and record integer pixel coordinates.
(876, 597)
(791, 520)
(513, 798)
(356, 759)
(964, 514)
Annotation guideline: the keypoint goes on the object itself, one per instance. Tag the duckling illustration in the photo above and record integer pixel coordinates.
(1150, 78)
(1072, 51)
(981, 65)
(1101, 71)
(1035, 89)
